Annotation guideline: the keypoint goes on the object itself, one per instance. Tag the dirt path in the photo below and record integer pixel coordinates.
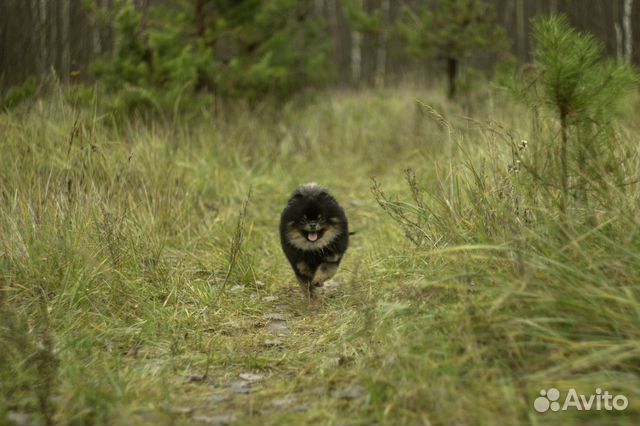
(273, 378)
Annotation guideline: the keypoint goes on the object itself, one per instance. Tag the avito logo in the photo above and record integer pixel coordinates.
(550, 400)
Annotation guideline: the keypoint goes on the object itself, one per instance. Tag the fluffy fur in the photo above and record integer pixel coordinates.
(314, 233)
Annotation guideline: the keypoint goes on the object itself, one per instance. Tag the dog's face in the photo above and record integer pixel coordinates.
(312, 218)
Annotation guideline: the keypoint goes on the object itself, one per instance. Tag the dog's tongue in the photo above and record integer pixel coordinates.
(312, 236)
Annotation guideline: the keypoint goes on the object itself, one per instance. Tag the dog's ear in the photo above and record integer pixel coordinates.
(296, 196)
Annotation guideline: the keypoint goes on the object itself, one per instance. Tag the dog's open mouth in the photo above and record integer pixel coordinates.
(314, 235)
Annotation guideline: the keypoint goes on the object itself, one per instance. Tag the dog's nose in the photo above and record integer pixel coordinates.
(313, 225)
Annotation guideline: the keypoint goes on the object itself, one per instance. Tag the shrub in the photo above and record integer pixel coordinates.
(18, 94)
(453, 31)
(195, 50)
(573, 83)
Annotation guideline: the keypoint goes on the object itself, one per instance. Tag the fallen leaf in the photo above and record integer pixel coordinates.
(275, 316)
(251, 377)
(236, 289)
(215, 420)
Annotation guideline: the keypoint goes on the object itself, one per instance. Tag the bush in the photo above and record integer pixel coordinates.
(573, 83)
(185, 51)
(453, 31)
(19, 94)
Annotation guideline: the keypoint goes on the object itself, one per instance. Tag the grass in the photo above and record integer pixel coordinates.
(141, 273)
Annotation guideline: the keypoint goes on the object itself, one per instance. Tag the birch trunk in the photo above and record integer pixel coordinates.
(626, 28)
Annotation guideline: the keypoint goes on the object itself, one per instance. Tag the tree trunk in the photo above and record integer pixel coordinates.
(564, 163)
(368, 47)
(343, 47)
(452, 75)
(520, 30)
(584, 142)
(381, 54)
(356, 54)
(626, 28)
(65, 41)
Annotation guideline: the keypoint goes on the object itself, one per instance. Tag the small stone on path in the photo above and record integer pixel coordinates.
(283, 402)
(196, 378)
(352, 392)
(220, 398)
(278, 327)
(241, 387)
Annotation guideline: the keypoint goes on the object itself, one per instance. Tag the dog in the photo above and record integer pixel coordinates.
(314, 233)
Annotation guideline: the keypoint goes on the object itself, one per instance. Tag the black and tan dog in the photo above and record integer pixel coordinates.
(314, 233)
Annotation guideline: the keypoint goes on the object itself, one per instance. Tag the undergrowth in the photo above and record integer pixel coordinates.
(139, 278)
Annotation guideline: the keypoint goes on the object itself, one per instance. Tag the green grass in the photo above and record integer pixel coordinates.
(117, 238)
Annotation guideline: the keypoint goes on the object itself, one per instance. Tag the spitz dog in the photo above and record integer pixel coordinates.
(314, 233)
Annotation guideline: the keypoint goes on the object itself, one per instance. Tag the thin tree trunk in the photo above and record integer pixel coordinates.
(65, 63)
(564, 161)
(356, 53)
(95, 34)
(626, 28)
(520, 29)
(52, 28)
(452, 74)
(42, 36)
(619, 42)
(583, 152)
(381, 54)
(368, 47)
(342, 34)
(30, 63)
(198, 9)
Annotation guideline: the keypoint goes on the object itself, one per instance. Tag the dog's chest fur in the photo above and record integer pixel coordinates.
(317, 265)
